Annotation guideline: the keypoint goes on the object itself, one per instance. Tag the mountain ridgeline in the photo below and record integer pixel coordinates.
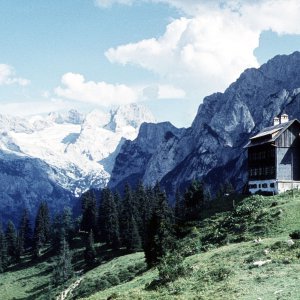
(212, 148)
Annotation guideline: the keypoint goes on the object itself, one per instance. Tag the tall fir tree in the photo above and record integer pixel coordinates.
(133, 240)
(160, 237)
(42, 229)
(3, 251)
(142, 203)
(90, 251)
(11, 239)
(63, 269)
(179, 210)
(109, 219)
(25, 233)
(194, 201)
(130, 234)
(89, 212)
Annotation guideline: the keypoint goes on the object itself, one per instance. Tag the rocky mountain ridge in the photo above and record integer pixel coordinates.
(212, 148)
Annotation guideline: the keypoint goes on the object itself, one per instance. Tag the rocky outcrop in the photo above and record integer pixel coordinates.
(145, 150)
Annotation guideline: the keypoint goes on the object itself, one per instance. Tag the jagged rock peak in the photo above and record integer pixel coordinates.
(129, 115)
(72, 116)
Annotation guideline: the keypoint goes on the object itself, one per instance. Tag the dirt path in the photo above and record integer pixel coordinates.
(64, 294)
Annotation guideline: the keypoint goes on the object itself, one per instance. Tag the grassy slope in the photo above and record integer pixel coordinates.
(27, 282)
(227, 272)
(224, 272)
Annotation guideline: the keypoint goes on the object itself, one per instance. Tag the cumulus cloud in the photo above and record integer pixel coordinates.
(160, 91)
(8, 76)
(211, 44)
(75, 87)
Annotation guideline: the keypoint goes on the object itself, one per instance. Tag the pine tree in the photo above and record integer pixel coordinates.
(133, 240)
(109, 219)
(11, 239)
(130, 233)
(58, 233)
(160, 237)
(90, 252)
(3, 251)
(142, 203)
(63, 269)
(179, 208)
(25, 233)
(89, 212)
(194, 201)
(41, 229)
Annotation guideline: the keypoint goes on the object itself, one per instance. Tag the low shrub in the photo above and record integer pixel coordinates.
(125, 275)
(171, 267)
(295, 235)
(113, 279)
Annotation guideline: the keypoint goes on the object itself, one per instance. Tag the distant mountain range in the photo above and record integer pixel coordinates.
(59, 156)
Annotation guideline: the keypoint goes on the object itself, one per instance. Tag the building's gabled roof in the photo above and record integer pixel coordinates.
(269, 134)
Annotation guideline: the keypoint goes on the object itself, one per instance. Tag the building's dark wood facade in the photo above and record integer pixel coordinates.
(274, 156)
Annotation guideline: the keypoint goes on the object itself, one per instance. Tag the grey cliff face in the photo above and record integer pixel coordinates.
(212, 148)
(145, 150)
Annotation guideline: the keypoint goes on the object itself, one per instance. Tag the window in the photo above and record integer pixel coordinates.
(264, 185)
(272, 185)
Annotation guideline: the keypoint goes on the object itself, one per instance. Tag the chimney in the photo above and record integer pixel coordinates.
(276, 121)
(284, 118)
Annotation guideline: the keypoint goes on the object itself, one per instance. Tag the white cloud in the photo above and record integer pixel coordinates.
(8, 77)
(209, 47)
(75, 87)
(158, 91)
(100, 93)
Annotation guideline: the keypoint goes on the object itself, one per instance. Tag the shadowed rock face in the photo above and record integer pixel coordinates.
(212, 148)
(25, 182)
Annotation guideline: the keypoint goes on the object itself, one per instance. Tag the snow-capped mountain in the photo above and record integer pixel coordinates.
(76, 151)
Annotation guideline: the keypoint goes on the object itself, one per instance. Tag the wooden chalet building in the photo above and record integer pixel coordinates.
(274, 157)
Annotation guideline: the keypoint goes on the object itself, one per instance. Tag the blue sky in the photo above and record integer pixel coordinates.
(168, 54)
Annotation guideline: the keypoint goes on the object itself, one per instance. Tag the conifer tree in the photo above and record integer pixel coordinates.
(133, 240)
(90, 252)
(3, 251)
(11, 239)
(130, 233)
(160, 236)
(25, 233)
(142, 203)
(67, 224)
(58, 233)
(179, 208)
(63, 269)
(41, 229)
(89, 212)
(194, 201)
(109, 219)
